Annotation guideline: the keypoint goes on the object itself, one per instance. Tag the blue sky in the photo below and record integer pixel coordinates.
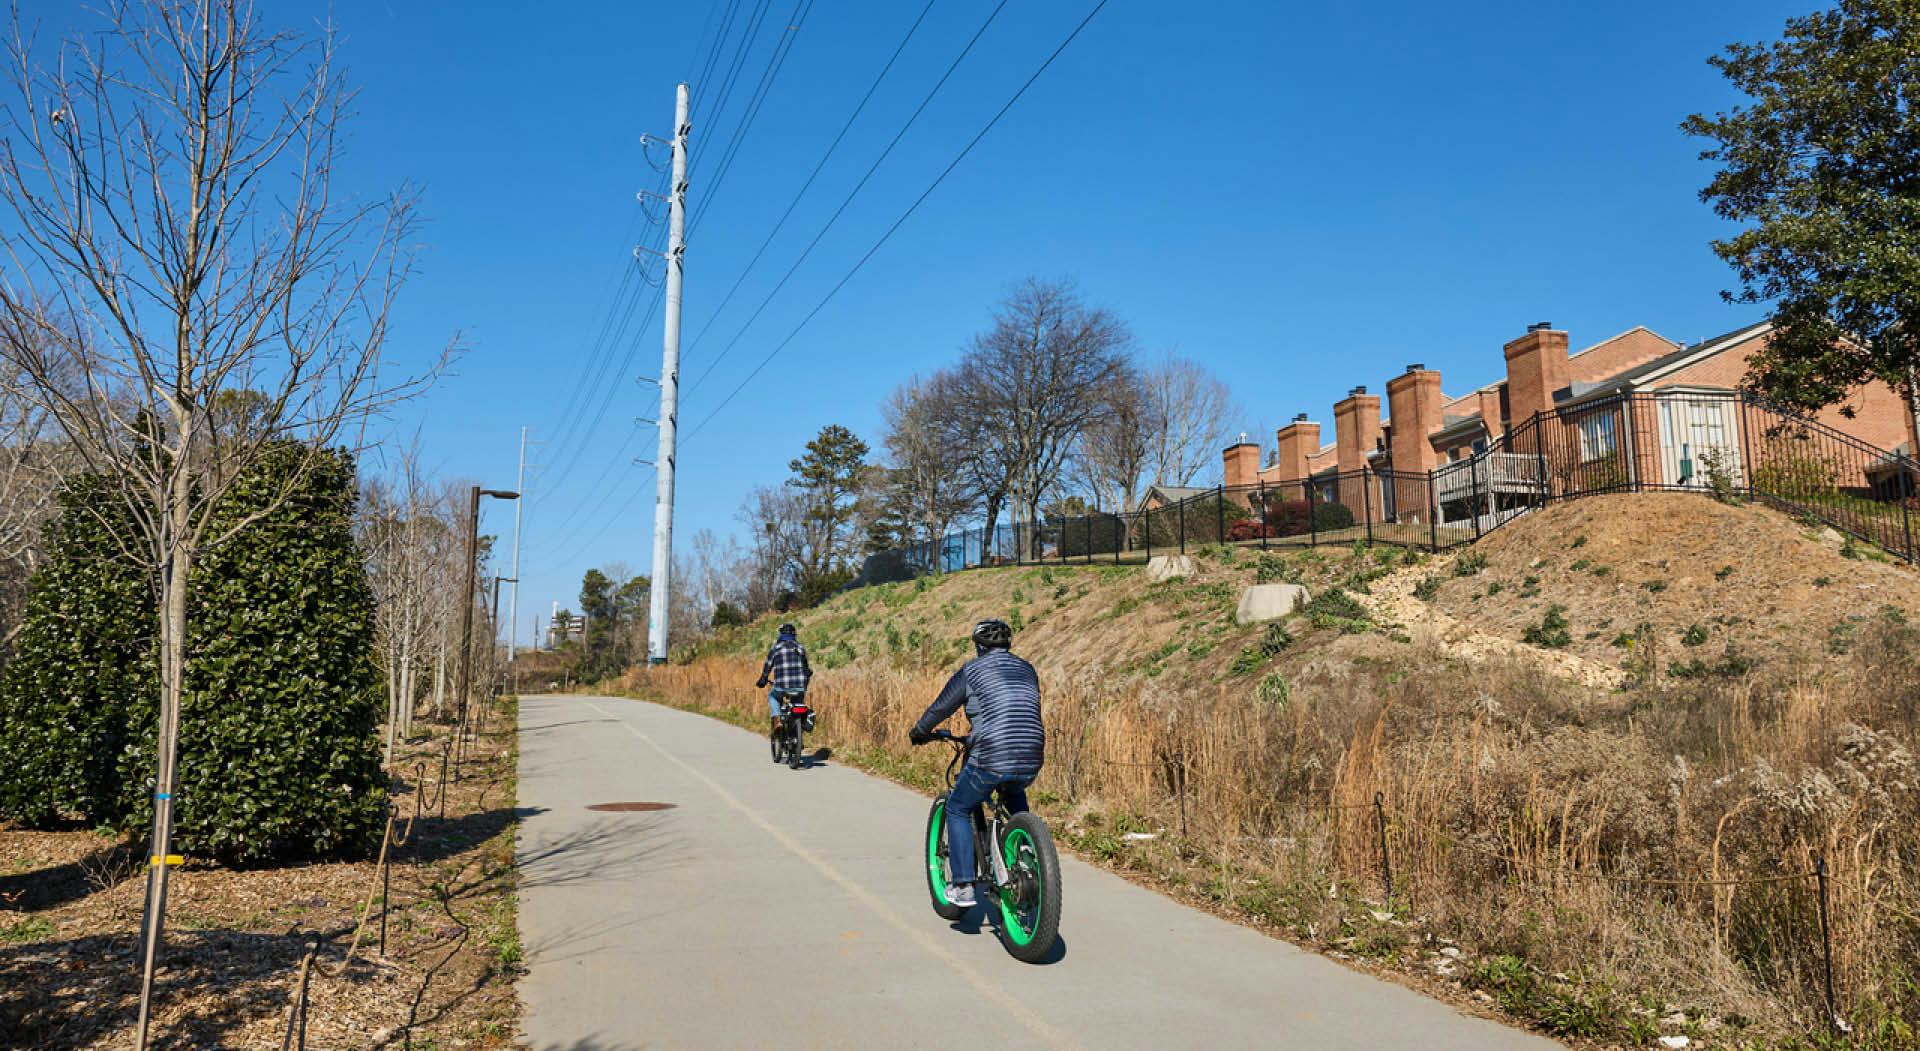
(1303, 197)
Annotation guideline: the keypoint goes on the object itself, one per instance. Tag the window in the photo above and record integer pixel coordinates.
(1596, 436)
(1479, 445)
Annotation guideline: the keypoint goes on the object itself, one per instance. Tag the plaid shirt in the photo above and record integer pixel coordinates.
(786, 666)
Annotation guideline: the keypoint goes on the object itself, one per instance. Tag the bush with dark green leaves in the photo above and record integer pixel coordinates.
(279, 750)
(84, 655)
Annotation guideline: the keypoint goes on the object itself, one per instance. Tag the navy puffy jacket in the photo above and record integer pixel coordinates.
(1001, 693)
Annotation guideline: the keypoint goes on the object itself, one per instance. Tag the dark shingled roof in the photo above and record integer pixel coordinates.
(1632, 376)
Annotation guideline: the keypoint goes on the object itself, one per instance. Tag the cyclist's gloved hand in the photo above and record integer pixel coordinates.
(918, 736)
(761, 685)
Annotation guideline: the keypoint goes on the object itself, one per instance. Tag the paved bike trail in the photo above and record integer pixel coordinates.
(773, 908)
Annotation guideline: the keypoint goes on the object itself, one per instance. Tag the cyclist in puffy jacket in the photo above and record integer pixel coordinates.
(1001, 694)
(787, 669)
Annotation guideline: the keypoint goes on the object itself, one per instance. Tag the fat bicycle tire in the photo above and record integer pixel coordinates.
(936, 862)
(1029, 933)
(793, 742)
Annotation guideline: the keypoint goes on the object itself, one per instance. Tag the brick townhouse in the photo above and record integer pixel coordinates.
(1634, 407)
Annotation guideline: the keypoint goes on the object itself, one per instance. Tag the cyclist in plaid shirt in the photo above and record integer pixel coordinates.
(787, 669)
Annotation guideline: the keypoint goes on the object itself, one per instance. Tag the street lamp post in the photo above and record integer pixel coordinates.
(466, 605)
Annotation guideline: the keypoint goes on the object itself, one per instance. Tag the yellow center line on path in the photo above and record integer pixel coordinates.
(993, 992)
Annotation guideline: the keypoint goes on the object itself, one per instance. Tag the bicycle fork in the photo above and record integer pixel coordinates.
(989, 839)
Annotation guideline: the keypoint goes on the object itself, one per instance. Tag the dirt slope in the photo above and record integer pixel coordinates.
(1691, 579)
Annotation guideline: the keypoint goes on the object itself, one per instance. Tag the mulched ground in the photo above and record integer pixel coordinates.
(70, 906)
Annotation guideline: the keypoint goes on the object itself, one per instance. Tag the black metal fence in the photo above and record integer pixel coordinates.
(1724, 444)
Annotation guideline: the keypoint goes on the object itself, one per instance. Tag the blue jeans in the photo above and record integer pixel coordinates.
(970, 790)
(775, 695)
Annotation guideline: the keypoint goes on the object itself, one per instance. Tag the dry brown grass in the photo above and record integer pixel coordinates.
(1527, 819)
(1601, 857)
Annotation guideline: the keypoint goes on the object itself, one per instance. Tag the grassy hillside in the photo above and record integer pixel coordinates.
(1109, 622)
(1557, 806)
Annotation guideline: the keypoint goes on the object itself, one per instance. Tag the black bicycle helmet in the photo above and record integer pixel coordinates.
(993, 635)
(788, 629)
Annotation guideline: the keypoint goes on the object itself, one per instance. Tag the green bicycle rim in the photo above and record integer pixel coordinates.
(1019, 932)
(936, 872)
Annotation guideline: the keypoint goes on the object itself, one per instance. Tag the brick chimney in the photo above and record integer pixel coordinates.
(1298, 440)
(1414, 405)
(1356, 428)
(1536, 367)
(1242, 463)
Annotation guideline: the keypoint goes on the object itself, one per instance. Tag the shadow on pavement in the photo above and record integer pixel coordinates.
(818, 758)
(614, 848)
(975, 922)
(556, 726)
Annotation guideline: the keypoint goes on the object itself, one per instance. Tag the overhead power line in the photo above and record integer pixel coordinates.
(597, 376)
(611, 389)
(904, 216)
(709, 42)
(855, 192)
(811, 176)
(639, 490)
(599, 483)
(740, 52)
(593, 375)
(781, 49)
(584, 382)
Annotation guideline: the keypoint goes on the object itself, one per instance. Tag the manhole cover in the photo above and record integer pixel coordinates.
(628, 808)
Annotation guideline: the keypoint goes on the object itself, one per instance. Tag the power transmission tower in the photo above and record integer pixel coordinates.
(669, 390)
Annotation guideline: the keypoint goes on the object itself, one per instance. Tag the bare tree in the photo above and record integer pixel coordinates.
(177, 242)
(1035, 379)
(927, 478)
(35, 463)
(1116, 449)
(684, 605)
(411, 535)
(984, 465)
(718, 574)
(1191, 410)
(775, 521)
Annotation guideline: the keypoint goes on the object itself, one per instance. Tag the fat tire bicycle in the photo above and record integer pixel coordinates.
(1015, 859)
(787, 738)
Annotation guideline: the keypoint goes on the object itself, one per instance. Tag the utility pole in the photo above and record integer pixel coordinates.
(467, 596)
(513, 597)
(669, 390)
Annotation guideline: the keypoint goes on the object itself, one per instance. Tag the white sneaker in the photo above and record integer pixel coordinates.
(960, 894)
